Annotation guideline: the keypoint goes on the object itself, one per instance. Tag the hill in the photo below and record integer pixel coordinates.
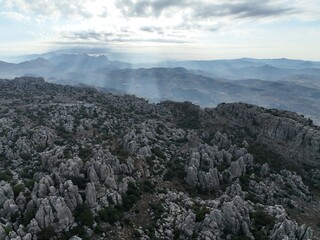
(79, 163)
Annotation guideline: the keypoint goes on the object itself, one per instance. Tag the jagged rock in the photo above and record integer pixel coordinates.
(10, 210)
(33, 227)
(264, 169)
(44, 187)
(237, 168)
(236, 216)
(286, 228)
(209, 180)
(186, 224)
(79, 146)
(28, 236)
(192, 176)
(276, 129)
(6, 192)
(71, 167)
(245, 144)
(21, 201)
(221, 140)
(91, 195)
(53, 211)
(235, 190)
(71, 194)
(75, 238)
(2, 232)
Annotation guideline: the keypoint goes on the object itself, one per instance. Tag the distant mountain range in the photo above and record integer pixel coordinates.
(277, 83)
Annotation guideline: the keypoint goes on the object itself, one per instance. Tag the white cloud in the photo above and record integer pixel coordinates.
(154, 21)
(15, 15)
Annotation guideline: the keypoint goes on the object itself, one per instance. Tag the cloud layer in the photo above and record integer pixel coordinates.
(162, 21)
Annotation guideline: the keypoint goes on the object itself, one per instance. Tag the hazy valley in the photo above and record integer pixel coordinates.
(274, 83)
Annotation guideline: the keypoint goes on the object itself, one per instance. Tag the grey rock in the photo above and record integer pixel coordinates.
(91, 195)
(53, 211)
(6, 192)
(264, 169)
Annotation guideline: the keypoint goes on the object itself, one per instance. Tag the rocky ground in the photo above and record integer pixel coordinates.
(79, 164)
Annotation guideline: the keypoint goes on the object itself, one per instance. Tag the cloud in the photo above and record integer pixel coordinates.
(152, 29)
(154, 21)
(145, 8)
(244, 9)
(105, 37)
(54, 8)
(15, 15)
(204, 8)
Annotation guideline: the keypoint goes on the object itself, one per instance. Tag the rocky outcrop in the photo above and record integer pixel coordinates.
(207, 165)
(53, 211)
(76, 162)
(286, 133)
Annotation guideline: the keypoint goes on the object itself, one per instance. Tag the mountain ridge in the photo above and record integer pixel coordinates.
(79, 163)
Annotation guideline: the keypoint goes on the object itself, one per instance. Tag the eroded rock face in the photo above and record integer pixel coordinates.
(91, 195)
(79, 161)
(286, 228)
(285, 132)
(53, 211)
(208, 165)
(6, 192)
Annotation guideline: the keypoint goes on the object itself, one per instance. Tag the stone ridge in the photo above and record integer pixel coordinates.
(76, 163)
(294, 137)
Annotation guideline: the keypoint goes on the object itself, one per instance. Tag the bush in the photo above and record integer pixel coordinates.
(156, 151)
(26, 156)
(17, 189)
(81, 182)
(110, 215)
(7, 230)
(263, 219)
(46, 233)
(200, 213)
(132, 195)
(157, 209)
(83, 215)
(148, 186)
(84, 153)
(29, 215)
(6, 175)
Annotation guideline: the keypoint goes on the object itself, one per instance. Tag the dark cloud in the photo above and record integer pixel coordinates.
(145, 8)
(152, 29)
(247, 9)
(117, 37)
(203, 9)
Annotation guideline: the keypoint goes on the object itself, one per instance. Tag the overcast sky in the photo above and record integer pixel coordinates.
(178, 29)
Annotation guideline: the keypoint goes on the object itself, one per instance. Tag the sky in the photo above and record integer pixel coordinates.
(168, 29)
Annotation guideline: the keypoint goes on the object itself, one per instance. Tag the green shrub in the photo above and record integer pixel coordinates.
(81, 182)
(17, 189)
(6, 175)
(132, 195)
(7, 229)
(157, 151)
(29, 215)
(157, 209)
(200, 213)
(46, 233)
(148, 186)
(263, 219)
(84, 153)
(110, 215)
(83, 215)
(26, 156)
